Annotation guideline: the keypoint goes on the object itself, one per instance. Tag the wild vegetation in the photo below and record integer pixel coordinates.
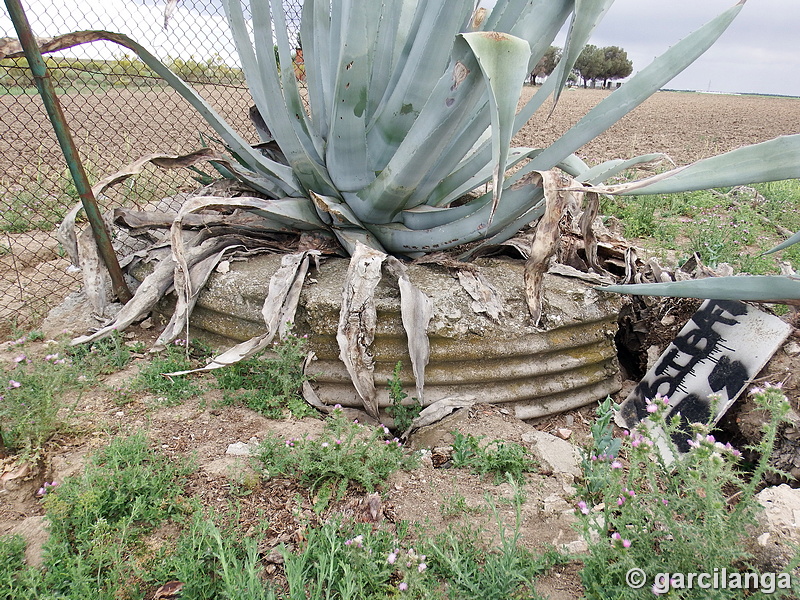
(131, 522)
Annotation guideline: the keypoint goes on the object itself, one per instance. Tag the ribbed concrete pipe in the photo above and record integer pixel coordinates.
(568, 363)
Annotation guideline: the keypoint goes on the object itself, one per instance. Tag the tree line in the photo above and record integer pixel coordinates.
(594, 64)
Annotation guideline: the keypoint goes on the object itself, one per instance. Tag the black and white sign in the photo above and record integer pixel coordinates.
(724, 345)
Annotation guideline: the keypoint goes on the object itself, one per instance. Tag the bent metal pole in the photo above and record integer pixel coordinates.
(45, 86)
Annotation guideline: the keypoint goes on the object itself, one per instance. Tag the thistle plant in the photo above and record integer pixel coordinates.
(692, 514)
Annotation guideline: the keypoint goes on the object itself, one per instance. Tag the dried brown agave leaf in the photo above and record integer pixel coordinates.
(163, 161)
(156, 285)
(357, 321)
(198, 274)
(590, 212)
(439, 410)
(67, 230)
(548, 234)
(485, 297)
(416, 312)
(281, 303)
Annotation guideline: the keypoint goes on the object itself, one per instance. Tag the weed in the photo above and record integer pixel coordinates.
(171, 390)
(673, 517)
(498, 457)
(604, 450)
(456, 504)
(126, 483)
(346, 453)
(102, 357)
(95, 523)
(507, 571)
(342, 560)
(31, 401)
(15, 577)
(271, 383)
(402, 414)
(727, 225)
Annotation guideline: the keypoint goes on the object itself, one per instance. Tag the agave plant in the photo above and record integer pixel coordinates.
(402, 143)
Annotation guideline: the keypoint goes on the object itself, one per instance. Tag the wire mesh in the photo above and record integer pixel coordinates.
(118, 111)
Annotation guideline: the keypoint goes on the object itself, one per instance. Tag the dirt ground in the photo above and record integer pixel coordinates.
(202, 429)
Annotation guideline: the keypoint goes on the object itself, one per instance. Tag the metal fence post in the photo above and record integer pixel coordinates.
(53, 107)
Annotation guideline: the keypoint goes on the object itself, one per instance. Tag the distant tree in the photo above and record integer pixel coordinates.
(617, 65)
(602, 64)
(590, 64)
(546, 64)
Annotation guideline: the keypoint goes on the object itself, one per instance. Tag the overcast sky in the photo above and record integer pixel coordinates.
(760, 52)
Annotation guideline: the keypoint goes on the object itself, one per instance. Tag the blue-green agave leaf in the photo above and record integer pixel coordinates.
(772, 160)
(790, 242)
(503, 60)
(587, 16)
(752, 288)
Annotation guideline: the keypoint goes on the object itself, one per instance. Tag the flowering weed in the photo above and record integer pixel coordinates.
(346, 452)
(670, 516)
(269, 383)
(499, 458)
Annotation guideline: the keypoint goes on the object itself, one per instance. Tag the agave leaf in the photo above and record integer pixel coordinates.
(198, 275)
(587, 15)
(751, 288)
(93, 272)
(357, 322)
(640, 87)
(350, 238)
(261, 71)
(289, 85)
(790, 242)
(610, 168)
(315, 28)
(155, 285)
(485, 297)
(503, 60)
(469, 226)
(396, 21)
(344, 223)
(346, 153)
(437, 411)
(467, 176)
(163, 161)
(416, 311)
(296, 211)
(442, 117)
(545, 244)
(768, 161)
(279, 308)
(416, 73)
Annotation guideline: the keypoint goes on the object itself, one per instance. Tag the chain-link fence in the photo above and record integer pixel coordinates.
(118, 111)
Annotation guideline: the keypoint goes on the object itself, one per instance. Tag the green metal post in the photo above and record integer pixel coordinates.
(45, 86)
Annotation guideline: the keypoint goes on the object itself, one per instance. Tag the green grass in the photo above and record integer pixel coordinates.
(347, 453)
(171, 390)
(101, 522)
(719, 225)
(127, 524)
(269, 383)
(498, 458)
